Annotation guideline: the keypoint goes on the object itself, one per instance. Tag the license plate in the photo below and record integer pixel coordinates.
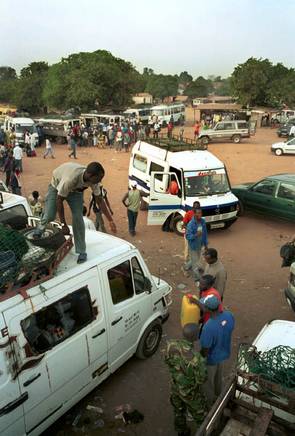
(217, 226)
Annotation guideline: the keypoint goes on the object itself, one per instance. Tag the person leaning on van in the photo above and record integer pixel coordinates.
(68, 182)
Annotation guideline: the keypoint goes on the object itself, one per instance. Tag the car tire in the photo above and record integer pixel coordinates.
(204, 140)
(278, 152)
(150, 340)
(236, 139)
(279, 135)
(241, 210)
(177, 225)
(52, 238)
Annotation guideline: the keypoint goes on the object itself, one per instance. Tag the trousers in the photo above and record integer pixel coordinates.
(195, 407)
(213, 385)
(75, 201)
(132, 218)
(99, 222)
(194, 262)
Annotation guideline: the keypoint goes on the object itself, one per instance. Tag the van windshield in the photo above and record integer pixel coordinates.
(198, 183)
(22, 129)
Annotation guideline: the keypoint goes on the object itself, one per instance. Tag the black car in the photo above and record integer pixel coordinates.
(284, 130)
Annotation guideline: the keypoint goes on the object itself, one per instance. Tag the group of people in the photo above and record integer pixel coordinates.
(11, 163)
(196, 362)
(112, 135)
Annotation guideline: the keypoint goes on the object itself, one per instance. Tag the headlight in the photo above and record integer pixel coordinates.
(168, 299)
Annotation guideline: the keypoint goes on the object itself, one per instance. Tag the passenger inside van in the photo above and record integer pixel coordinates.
(173, 187)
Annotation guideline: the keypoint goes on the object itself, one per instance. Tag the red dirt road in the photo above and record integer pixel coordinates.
(249, 250)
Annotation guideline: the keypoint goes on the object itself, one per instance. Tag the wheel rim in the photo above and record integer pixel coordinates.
(179, 227)
(278, 152)
(46, 234)
(236, 140)
(152, 340)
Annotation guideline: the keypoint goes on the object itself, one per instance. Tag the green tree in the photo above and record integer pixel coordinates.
(8, 83)
(161, 86)
(251, 81)
(224, 87)
(185, 78)
(200, 87)
(85, 79)
(30, 87)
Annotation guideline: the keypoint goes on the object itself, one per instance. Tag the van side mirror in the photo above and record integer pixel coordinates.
(147, 285)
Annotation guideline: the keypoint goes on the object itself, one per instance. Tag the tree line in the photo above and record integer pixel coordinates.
(99, 79)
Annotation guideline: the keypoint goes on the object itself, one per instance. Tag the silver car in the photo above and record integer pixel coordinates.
(225, 131)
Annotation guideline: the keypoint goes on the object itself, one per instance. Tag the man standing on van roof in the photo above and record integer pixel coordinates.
(68, 182)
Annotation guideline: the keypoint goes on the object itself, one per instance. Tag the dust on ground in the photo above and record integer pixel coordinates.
(249, 251)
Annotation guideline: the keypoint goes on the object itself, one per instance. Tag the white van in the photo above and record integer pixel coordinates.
(20, 125)
(199, 175)
(62, 338)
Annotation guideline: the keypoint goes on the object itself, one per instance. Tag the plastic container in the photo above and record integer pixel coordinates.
(190, 313)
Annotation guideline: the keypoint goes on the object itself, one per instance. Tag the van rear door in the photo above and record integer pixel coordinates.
(162, 204)
(11, 398)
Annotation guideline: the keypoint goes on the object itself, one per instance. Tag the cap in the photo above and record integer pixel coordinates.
(133, 184)
(211, 302)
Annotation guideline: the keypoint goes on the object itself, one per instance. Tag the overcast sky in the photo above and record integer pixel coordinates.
(203, 37)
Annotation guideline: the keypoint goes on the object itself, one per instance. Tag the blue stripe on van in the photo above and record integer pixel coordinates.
(187, 207)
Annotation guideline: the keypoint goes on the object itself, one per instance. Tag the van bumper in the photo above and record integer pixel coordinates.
(290, 297)
(221, 223)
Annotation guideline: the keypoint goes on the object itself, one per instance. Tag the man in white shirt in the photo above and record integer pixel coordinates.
(89, 224)
(48, 149)
(292, 131)
(18, 156)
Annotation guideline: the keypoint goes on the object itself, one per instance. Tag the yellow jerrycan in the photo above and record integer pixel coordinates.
(190, 313)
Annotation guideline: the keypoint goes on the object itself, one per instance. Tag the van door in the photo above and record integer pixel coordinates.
(53, 346)
(162, 204)
(11, 398)
(129, 306)
(28, 367)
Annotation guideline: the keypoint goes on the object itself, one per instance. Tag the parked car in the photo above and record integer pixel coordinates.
(274, 196)
(225, 131)
(287, 147)
(282, 117)
(284, 130)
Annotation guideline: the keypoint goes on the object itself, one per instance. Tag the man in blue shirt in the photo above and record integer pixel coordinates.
(215, 345)
(196, 235)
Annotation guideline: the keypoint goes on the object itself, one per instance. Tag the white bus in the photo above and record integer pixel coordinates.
(140, 114)
(163, 113)
(94, 120)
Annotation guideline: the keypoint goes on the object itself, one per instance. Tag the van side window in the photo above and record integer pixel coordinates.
(138, 276)
(140, 163)
(120, 281)
(158, 168)
(58, 321)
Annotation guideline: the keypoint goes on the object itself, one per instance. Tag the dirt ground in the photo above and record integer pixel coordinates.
(249, 250)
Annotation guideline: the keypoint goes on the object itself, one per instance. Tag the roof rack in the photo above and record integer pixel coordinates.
(37, 275)
(175, 143)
